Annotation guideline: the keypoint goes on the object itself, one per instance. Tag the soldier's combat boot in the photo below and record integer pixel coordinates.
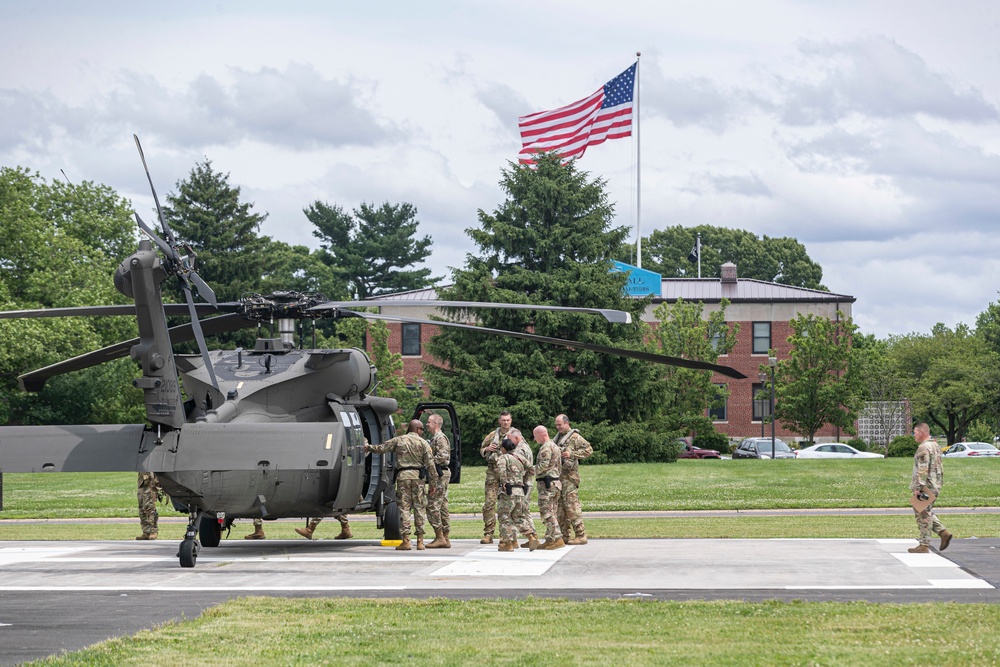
(438, 542)
(405, 545)
(945, 540)
(523, 545)
(305, 532)
(148, 536)
(507, 546)
(420, 543)
(532, 543)
(553, 544)
(257, 534)
(447, 540)
(487, 538)
(579, 539)
(344, 534)
(919, 549)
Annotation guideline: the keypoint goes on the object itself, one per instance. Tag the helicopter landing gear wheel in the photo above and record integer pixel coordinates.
(390, 521)
(188, 553)
(209, 531)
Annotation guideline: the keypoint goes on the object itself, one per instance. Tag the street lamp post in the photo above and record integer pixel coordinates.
(772, 362)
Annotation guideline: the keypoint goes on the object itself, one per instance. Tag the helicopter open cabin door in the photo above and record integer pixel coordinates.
(449, 427)
(350, 490)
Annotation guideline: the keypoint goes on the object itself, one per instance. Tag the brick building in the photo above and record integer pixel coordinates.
(762, 309)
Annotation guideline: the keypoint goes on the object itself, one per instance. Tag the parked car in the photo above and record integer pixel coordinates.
(760, 448)
(972, 449)
(835, 450)
(689, 451)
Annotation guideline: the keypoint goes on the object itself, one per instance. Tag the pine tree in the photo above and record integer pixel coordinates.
(550, 242)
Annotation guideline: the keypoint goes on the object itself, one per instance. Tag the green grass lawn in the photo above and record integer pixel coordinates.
(338, 631)
(685, 485)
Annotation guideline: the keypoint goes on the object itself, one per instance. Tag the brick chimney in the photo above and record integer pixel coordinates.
(729, 273)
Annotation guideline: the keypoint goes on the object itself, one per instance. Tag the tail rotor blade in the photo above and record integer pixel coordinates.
(200, 337)
(159, 211)
(204, 291)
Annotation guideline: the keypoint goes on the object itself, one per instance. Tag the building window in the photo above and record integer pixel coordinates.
(717, 412)
(761, 402)
(761, 337)
(715, 341)
(411, 340)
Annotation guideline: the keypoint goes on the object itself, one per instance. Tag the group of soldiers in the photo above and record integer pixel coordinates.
(511, 473)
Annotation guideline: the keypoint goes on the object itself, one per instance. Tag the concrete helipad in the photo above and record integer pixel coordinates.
(57, 596)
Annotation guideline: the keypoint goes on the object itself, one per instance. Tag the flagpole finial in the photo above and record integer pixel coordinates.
(638, 54)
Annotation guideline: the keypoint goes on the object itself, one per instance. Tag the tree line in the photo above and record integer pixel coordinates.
(550, 241)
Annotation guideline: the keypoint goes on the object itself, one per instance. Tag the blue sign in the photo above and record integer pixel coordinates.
(640, 281)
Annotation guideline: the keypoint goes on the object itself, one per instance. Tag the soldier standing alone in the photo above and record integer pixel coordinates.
(413, 463)
(927, 478)
(490, 450)
(548, 464)
(437, 504)
(573, 448)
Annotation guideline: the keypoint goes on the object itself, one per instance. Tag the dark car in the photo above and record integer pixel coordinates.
(760, 448)
(689, 451)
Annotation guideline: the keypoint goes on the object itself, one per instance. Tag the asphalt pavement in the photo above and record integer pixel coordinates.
(62, 596)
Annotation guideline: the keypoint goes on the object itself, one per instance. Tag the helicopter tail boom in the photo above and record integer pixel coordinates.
(94, 448)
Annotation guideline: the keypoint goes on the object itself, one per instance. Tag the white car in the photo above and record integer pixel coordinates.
(972, 449)
(835, 450)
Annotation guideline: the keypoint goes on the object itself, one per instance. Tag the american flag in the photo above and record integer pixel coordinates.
(569, 130)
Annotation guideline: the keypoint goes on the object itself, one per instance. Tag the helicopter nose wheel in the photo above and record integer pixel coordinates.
(188, 552)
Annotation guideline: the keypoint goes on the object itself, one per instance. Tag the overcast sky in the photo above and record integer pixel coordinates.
(869, 131)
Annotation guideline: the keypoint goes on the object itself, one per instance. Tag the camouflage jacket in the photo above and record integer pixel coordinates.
(494, 438)
(511, 471)
(527, 459)
(578, 448)
(412, 454)
(549, 461)
(927, 469)
(441, 449)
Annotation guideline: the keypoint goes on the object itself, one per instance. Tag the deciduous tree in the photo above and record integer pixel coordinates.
(815, 386)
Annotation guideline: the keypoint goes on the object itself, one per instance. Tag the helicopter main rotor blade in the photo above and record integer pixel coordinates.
(614, 316)
(35, 380)
(603, 349)
(115, 311)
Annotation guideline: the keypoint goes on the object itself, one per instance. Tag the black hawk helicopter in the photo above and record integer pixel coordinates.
(273, 432)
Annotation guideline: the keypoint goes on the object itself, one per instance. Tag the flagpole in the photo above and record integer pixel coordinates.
(698, 242)
(638, 171)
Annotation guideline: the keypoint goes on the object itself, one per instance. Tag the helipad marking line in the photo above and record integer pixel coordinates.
(189, 589)
(489, 562)
(10, 555)
(923, 560)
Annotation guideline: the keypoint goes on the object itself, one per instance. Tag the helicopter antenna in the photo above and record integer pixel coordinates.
(182, 266)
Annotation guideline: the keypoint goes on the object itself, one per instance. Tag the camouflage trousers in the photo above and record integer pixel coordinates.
(548, 508)
(490, 505)
(147, 493)
(411, 498)
(927, 522)
(315, 521)
(570, 514)
(437, 504)
(514, 517)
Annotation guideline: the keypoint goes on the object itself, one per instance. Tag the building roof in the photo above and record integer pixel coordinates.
(706, 290)
(744, 290)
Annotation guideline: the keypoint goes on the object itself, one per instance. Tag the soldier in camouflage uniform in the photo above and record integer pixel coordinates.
(345, 528)
(547, 469)
(437, 505)
(148, 492)
(927, 478)
(413, 458)
(512, 506)
(573, 448)
(490, 450)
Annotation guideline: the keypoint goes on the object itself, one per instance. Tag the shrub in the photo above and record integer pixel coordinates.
(630, 443)
(858, 444)
(902, 446)
(713, 440)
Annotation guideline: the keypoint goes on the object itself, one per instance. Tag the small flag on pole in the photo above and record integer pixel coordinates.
(569, 130)
(693, 255)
